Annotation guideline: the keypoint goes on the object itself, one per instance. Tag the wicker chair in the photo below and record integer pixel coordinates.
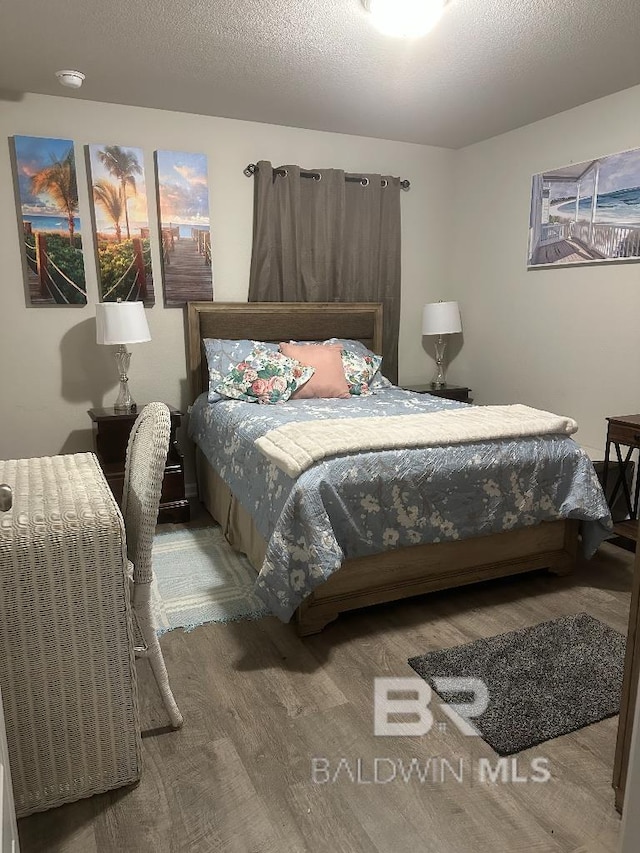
(144, 470)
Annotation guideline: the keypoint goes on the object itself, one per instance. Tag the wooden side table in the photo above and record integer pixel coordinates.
(623, 431)
(449, 392)
(111, 435)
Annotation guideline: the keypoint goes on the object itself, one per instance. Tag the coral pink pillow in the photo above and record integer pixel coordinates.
(329, 379)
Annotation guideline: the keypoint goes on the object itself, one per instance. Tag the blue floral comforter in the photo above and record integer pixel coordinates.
(368, 502)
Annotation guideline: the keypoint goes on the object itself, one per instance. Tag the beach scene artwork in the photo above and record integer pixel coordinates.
(183, 200)
(49, 224)
(121, 222)
(586, 212)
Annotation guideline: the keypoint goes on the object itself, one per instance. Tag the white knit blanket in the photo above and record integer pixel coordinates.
(294, 447)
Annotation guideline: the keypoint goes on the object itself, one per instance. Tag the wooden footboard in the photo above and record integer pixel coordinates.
(405, 572)
(402, 572)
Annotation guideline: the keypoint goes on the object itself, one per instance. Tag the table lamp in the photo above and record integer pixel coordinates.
(120, 323)
(440, 318)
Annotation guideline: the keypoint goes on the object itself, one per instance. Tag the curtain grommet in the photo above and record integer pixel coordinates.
(365, 182)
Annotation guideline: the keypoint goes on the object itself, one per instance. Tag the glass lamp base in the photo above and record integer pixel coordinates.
(439, 379)
(125, 402)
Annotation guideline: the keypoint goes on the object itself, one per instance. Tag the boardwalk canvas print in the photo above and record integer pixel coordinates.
(183, 198)
(49, 225)
(586, 212)
(121, 222)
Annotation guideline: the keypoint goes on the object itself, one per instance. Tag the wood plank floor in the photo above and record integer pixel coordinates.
(260, 703)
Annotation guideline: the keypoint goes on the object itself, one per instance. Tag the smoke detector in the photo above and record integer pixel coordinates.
(70, 79)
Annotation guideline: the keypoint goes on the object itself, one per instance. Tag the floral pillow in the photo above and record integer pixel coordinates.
(377, 381)
(222, 355)
(359, 371)
(264, 377)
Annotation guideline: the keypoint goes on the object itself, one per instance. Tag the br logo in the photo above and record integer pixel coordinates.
(411, 697)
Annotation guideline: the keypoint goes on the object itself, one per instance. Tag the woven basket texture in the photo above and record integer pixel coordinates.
(67, 668)
(144, 471)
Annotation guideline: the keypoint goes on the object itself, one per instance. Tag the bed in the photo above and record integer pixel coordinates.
(391, 572)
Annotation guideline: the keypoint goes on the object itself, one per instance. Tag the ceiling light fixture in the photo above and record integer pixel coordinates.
(405, 18)
(70, 79)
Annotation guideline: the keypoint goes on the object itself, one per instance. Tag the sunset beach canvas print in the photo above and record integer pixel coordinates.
(121, 222)
(49, 225)
(586, 212)
(183, 198)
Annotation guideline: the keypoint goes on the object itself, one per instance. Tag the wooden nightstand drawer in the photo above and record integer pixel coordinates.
(111, 435)
(111, 443)
(627, 434)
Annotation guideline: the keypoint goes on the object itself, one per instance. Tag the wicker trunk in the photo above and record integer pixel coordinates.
(67, 668)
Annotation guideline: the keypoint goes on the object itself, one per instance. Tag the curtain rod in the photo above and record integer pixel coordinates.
(352, 179)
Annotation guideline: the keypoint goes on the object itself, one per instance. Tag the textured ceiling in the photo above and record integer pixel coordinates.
(489, 66)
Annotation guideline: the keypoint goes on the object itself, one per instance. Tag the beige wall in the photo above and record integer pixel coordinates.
(562, 339)
(52, 370)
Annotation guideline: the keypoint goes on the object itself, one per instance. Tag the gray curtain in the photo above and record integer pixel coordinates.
(328, 240)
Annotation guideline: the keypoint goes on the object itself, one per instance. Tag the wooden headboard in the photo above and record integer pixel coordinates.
(275, 322)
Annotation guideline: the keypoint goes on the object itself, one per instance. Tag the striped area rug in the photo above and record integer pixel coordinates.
(199, 578)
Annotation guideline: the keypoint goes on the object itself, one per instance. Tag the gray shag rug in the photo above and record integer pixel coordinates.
(543, 682)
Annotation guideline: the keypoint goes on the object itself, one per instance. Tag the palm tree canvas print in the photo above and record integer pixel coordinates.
(587, 212)
(50, 232)
(121, 223)
(183, 197)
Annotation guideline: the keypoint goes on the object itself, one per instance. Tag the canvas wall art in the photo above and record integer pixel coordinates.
(183, 200)
(586, 212)
(49, 226)
(121, 223)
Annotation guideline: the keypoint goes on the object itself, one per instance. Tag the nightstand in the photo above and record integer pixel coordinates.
(449, 392)
(624, 431)
(110, 436)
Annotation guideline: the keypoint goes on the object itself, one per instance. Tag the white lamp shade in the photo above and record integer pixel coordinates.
(441, 318)
(121, 323)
